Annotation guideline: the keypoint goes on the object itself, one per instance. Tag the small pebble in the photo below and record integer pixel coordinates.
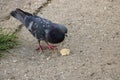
(14, 61)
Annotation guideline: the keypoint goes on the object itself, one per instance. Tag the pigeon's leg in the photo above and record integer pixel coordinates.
(51, 46)
(39, 47)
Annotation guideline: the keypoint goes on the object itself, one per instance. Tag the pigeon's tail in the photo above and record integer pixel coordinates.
(20, 14)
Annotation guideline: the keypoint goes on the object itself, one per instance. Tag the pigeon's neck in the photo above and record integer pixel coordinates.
(55, 36)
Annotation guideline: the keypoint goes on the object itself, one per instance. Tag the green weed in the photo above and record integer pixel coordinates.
(8, 40)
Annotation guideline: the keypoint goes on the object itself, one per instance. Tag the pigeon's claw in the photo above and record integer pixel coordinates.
(51, 47)
(39, 48)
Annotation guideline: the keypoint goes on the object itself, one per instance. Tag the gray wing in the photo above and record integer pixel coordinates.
(37, 26)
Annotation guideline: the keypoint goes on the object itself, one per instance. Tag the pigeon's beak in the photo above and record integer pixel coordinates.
(66, 35)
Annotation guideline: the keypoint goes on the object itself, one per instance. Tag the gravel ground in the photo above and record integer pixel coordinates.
(93, 38)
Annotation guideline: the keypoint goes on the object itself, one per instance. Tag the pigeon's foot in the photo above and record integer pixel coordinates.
(40, 48)
(51, 47)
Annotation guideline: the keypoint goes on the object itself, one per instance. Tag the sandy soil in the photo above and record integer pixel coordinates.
(93, 38)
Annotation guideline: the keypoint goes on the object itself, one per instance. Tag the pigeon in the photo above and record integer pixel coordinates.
(41, 28)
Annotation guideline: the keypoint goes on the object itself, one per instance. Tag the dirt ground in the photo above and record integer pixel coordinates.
(93, 38)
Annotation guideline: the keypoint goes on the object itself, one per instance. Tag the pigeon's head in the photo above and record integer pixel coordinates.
(61, 27)
(56, 36)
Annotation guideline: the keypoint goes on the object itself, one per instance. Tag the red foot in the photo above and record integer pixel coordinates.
(39, 48)
(51, 47)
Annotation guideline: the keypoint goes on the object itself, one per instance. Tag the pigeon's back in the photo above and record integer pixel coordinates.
(37, 26)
